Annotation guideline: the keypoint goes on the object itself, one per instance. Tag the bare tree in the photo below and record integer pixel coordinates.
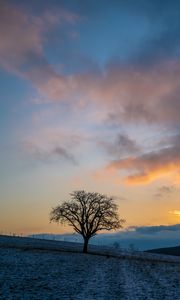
(87, 213)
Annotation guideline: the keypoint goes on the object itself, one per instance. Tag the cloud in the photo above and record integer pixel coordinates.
(145, 95)
(52, 144)
(23, 36)
(66, 154)
(175, 212)
(122, 145)
(20, 36)
(155, 229)
(127, 93)
(51, 154)
(165, 191)
(149, 166)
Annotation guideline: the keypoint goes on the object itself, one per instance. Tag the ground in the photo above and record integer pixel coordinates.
(44, 274)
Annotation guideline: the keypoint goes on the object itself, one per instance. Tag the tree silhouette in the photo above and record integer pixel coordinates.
(87, 213)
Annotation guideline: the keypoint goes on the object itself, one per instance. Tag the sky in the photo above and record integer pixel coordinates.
(89, 100)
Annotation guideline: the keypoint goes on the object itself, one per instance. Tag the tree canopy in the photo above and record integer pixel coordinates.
(88, 213)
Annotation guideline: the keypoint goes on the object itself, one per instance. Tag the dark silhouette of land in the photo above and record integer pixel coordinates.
(167, 251)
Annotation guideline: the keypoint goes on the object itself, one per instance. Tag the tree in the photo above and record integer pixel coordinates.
(87, 213)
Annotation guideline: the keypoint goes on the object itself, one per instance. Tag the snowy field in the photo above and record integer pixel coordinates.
(27, 273)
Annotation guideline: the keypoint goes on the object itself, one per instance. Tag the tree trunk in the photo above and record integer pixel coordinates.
(86, 240)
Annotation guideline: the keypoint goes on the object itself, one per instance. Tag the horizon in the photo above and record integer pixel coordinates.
(133, 238)
(89, 101)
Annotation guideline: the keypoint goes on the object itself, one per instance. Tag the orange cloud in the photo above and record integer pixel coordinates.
(150, 166)
(151, 176)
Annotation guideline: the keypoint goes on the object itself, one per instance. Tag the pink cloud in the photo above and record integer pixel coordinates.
(127, 95)
(19, 36)
(23, 36)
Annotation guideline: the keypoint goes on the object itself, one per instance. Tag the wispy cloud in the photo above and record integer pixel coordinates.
(175, 212)
(164, 191)
(121, 145)
(53, 144)
(50, 154)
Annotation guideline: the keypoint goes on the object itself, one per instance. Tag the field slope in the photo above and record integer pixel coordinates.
(34, 269)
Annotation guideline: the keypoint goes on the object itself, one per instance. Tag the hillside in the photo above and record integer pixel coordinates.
(36, 269)
(167, 251)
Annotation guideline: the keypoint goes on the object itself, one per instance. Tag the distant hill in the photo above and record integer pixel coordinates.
(125, 239)
(168, 251)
